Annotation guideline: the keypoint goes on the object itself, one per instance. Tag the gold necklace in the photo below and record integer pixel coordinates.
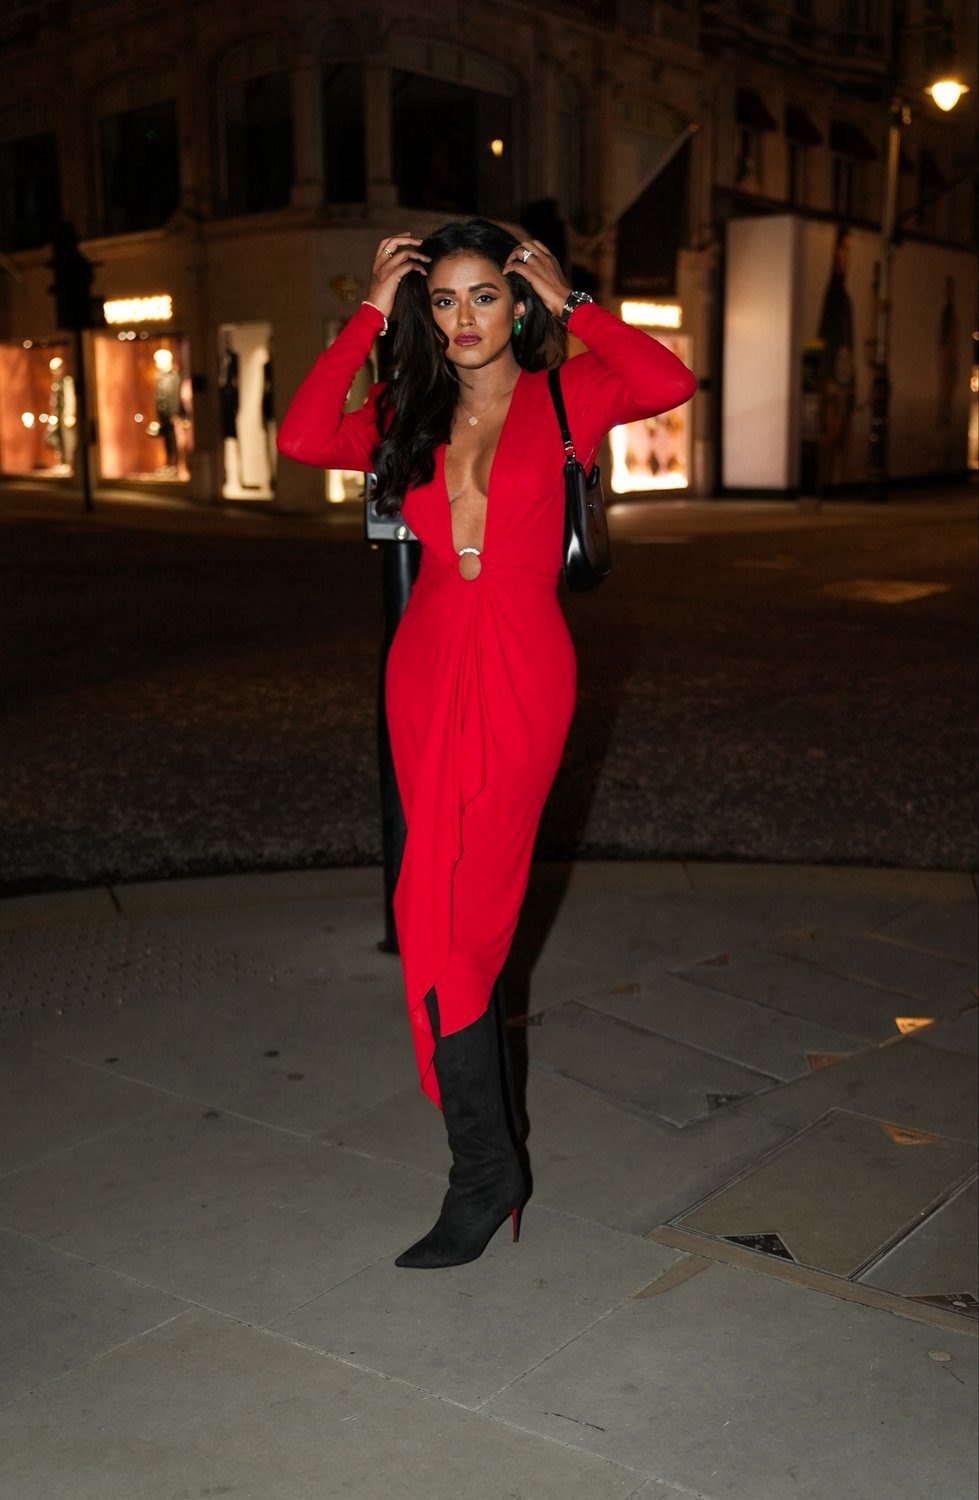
(473, 420)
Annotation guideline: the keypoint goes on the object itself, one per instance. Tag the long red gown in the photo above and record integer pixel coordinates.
(481, 674)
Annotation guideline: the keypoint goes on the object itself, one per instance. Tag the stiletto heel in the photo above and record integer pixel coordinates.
(515, 1215)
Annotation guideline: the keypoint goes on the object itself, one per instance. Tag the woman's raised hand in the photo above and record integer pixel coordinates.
(397, 254)
(534, 262)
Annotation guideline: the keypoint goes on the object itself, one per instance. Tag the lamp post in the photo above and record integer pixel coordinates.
(946, 92)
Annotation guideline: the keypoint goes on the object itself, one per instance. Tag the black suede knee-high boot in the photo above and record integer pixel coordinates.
(486, 1180)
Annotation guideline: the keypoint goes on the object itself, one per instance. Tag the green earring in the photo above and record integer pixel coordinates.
(517, 327)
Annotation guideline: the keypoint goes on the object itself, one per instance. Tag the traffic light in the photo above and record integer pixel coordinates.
(72, 287)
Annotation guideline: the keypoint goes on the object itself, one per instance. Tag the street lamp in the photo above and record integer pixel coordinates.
(946, 92)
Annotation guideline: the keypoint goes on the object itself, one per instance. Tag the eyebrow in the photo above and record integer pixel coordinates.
(477, 286)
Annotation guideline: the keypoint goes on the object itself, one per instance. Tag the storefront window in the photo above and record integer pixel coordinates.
(452, 146)
(654, 454)
(30, 199)
(140, 167)
(343, 132)
(145, 405)
(247, 408)
(258, 143)
(38, 428)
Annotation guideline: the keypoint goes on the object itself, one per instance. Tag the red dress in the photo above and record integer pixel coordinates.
(481, 674)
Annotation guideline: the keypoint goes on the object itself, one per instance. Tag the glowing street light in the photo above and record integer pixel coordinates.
(947, 92)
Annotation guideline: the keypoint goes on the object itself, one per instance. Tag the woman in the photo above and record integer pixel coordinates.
(464, 441)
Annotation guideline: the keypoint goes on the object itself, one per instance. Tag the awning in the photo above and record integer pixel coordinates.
(752, 112)
(651, 232)
(849, 140)
(799, 127)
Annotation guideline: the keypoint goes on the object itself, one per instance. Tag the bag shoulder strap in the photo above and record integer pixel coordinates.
(557, 396)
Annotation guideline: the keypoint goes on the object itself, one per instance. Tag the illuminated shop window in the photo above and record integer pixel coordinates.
(38, 418)
(246, 406)
(145, 405)
(654, 454)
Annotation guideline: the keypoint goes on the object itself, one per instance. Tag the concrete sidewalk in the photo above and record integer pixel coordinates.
(748, 1268)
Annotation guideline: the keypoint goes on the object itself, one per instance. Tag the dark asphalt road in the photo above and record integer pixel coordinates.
(183, 696)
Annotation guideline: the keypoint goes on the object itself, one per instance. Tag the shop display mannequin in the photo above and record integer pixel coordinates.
(228, 389)
(268, 415)
(61, 412)
(169, 406)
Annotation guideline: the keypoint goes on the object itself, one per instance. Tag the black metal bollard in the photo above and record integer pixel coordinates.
(400, 556)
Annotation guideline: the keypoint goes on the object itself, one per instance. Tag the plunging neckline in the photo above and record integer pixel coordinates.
(489, 480)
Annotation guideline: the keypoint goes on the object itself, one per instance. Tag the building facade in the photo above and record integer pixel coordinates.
(229, 168)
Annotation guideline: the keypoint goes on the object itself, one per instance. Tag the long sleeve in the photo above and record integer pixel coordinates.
(315, 430)
(625, 375)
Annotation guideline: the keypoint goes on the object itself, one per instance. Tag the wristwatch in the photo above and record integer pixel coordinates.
(575, 299)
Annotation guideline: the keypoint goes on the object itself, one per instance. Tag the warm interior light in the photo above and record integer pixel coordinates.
(496, 146)
(27, 417)
(652, 314)
(947, 92)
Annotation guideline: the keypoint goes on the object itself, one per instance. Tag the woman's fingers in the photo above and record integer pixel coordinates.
(396, 255)
(394, 245)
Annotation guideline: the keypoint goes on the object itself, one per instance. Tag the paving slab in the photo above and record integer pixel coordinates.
(949, 928)
(589, 1157)
(783, 982)
(735, 1385)
(660, 1077)
(236, 1216)
(293, 1051)
(908, 1083)
(206, 1407)
(847, 883)
(293, 1060)
(49, 1104)
(958, 1034)
(837, 1193)
(939, 982)
(938, 1257)
(755, 1036)
(58, 1313)
(468, 1332)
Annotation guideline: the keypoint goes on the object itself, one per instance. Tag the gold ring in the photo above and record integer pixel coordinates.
(389, 251)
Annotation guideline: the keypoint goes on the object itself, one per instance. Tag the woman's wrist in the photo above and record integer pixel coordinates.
(380, 313)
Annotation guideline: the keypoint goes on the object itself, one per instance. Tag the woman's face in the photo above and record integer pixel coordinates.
(474, 307)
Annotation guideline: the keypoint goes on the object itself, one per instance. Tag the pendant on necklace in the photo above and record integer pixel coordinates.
(473, 421)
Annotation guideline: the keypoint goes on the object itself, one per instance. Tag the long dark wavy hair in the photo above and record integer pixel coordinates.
(416, 407)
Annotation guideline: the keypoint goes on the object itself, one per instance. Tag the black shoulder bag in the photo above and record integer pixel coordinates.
(587, 556)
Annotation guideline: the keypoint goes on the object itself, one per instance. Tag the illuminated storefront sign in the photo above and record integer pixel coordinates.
(652, 314)
(157, 309)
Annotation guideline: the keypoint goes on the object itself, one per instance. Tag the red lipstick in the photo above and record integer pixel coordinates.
(464, 339)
